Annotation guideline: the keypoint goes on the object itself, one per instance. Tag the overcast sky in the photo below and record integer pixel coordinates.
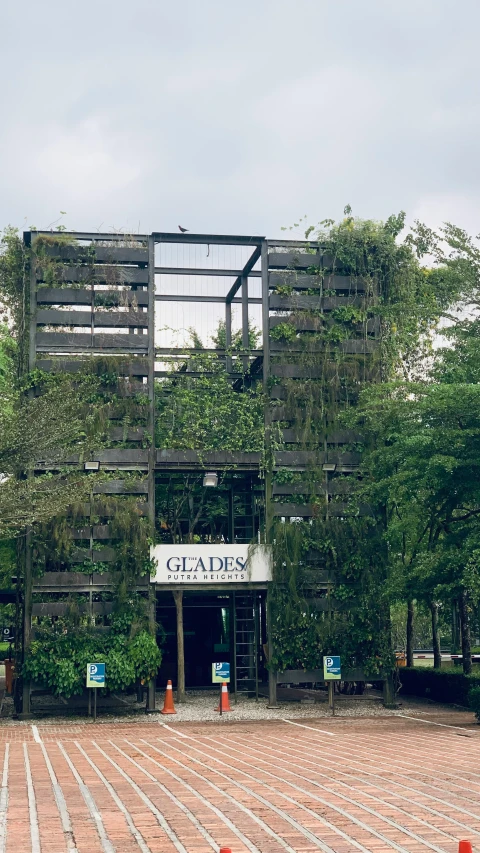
(238, 117)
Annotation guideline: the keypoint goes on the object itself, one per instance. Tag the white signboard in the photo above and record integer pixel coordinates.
(211, 564)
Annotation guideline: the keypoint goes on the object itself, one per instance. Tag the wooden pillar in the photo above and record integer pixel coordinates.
(178, 597)
(455, 629)
(465, 632)
(389, 692)
(152, 624)
(410, 620)
(228, 335)
(437, 654)
(27, 623)
(152, 620)
(245, 336)
(272, 675)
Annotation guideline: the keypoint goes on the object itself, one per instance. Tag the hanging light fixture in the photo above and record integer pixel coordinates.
(210, 479)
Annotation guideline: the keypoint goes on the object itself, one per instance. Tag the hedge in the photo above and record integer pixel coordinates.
(442, 685)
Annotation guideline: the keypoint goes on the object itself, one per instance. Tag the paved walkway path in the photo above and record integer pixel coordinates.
(157, 786)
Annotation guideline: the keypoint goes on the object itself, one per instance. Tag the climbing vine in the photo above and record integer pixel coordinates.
(331, 338)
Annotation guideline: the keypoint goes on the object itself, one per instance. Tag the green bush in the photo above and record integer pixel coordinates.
(59, 660)
(442, 685)
(4, 651)
(474, 700)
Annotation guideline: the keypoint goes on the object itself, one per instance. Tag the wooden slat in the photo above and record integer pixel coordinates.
(60, 608)
(313, 303)
(102, 531)
(132, 434)
(83, 296)
(120, 318)
(121, 297)
(97, 274)
(300, 458)
(352, 346)
(290, 278)
(103, 555)
(298, 488)
(336, 509)
(297, 371)
(122, 455)
(138, 366)
(295, 435)
(121, 487)
(47, 341)
(294, 260)
(54, 317)
(300, 322)
(64, 296)
(292, 510)
(280, 392)
(62, 579)
(205, 459)
(325, 604)
(339, 486)
(101, 254)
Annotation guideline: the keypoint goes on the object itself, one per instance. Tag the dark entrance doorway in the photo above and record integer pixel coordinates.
(218, 626)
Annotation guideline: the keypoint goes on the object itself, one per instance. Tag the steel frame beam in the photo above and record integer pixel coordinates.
(206, 239)
(245, 273)
(203, 271)
(220, 299)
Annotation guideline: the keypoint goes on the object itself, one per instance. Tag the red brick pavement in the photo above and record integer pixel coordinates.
(343, 785)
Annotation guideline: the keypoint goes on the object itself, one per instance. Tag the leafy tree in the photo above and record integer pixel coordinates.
(45, 430)
(422, 474)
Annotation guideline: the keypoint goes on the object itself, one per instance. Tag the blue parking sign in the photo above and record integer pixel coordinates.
(220, 672)
(95, 675)
(331, 668)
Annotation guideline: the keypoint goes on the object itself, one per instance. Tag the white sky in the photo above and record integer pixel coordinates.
(238, 117)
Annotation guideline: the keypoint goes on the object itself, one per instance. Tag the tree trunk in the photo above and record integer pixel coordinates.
(455, 629)
(178, 596)
(437, 654)
(465, 630)
(410, 618)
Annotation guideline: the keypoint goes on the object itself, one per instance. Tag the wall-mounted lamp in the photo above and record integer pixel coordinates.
(210, 479)
(92, 466)
(329, 466)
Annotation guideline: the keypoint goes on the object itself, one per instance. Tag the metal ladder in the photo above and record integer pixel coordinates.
(246, 632)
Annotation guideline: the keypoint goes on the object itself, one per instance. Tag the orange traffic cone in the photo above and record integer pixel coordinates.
(168, 706)
(464, 847)
(225, 704)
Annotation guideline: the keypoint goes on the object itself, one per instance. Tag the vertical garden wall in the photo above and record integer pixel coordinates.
(344, 312)
(86, 590)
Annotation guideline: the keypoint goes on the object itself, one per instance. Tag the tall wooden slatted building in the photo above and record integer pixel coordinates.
(106, 296)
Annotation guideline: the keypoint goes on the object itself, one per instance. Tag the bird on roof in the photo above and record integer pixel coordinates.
(182, 229)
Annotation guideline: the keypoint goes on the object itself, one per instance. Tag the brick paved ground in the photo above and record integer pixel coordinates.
(343, 785)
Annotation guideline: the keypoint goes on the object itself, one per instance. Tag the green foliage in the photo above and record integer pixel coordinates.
(205, 412)
(46, 429)
(442, 685)
(350, 553)
(474, 701)
(14, 260)
(422, 474)
(58, 659)
(283, 332)
(219, 339)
